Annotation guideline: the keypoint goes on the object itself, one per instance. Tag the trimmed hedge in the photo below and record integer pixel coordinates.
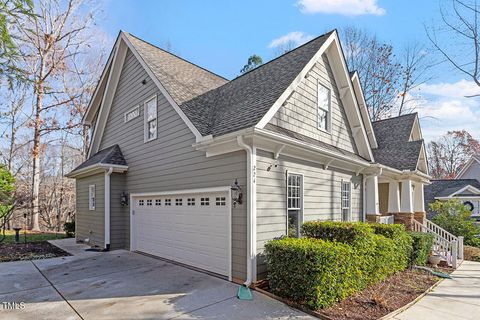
(347, 232)
(312, 272)
(422, 245)
(334, 260)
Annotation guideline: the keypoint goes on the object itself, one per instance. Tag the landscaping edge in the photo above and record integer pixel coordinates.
(324, 317)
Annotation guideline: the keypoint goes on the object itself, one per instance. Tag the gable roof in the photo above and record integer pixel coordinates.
(473, 160)
(108, 156)
(182, 79)
(445, 188)
(394, 148)
(243, 102)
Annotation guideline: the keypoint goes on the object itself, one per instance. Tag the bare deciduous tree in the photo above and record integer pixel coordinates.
(377, 67)
(53, 44)
(448, 154)
(457, 39)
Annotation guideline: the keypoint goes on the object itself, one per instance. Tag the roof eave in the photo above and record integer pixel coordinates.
(95, 169)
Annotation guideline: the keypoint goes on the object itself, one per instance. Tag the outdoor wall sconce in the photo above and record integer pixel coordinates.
(236, 193)
(123, 199)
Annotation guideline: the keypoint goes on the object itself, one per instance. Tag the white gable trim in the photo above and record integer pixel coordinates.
(162, 89)
(121, 47)
(357, 87)
(424, 154)
(469, 163)
(467, 187)
(331, 48)
(110, 88)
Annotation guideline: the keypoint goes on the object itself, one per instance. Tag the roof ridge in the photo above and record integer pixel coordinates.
(400, 116)
(178, 57)
(282, 55)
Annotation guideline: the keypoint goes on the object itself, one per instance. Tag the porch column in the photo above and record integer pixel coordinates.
(418, 200)
(406, 202)
(393, 197)
(371, 196)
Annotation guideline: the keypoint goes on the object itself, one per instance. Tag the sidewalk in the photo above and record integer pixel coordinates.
(457, 298)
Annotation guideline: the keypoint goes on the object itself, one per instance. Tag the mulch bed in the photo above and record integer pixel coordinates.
(380, 299)
(30, 251)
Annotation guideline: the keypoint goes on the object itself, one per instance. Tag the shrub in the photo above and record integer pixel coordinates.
(69, 228)
(344, 258)
(422, 245)
(312, 272)
(347, 232)
(402, 243)
(454, 216)
(471, 253)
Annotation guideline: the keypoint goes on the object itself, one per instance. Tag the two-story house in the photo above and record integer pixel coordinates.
(191, 167)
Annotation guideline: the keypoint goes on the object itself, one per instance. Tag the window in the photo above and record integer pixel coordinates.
(150, 109)
(204, 201)
(324, 101)
(191, 201)
(158, 202)
(220, 201)
(294, 204)
(132, 114)
(149, 202)
(178, 202)
(346, 191)
(140, 202)
(91, 197)
(168, 202)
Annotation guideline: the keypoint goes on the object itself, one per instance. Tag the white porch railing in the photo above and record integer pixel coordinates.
(387, 219)
(446, 244)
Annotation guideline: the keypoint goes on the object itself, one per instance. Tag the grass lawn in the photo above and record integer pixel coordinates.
(31, 236)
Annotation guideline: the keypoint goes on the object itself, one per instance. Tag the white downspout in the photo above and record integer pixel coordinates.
(364, 198)
(251, 211)
(107, 208)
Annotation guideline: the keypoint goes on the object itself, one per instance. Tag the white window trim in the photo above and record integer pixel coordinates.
(329, 110)
(91, 196)
(301, 214)
(145, 122)
(130, 111)
(349, 200)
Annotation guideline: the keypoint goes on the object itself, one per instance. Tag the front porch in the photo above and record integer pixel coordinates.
(393, 197)
(399, 196)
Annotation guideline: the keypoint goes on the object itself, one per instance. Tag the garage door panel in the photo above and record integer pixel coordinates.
(193, 234)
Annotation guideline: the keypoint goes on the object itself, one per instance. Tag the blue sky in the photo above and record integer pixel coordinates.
(221, 35)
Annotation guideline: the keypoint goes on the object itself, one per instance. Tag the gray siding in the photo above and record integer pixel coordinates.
(473, 172)
(119, 216)
(299, 114)
(322, 190)
(90, 223)
(169, 162)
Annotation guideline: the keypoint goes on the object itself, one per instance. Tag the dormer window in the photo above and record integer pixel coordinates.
(324, 107)
(150, 110)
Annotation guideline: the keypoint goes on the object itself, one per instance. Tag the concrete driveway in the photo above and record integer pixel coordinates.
(123, 285)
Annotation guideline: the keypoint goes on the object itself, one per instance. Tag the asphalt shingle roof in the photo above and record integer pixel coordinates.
(182, 79)
(216, 106)
(394, 148)
(110, 155)
(443, 188)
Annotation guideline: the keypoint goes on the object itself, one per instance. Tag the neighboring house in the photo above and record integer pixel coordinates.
(174, 145)
(465, 187)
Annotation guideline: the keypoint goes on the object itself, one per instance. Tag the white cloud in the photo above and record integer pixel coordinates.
(457, 89)
(344, 7)
(296, 37)
(446, 114)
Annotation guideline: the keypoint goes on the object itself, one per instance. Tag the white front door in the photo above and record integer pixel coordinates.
(191, 228)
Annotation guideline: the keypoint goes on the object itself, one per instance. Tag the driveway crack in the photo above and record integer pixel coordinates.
(55, 288)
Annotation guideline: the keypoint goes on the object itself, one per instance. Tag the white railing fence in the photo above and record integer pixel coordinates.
(387, 219)
(445, 244)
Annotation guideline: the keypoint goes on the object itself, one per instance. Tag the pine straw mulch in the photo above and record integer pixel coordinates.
(30, 251)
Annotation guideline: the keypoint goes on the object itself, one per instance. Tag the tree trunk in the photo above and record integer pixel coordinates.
(35, 224)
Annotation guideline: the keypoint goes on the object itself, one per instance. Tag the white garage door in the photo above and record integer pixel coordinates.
(191, 228)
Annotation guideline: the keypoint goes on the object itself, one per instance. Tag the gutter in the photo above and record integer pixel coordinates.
(107, 208)
(251, 210)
